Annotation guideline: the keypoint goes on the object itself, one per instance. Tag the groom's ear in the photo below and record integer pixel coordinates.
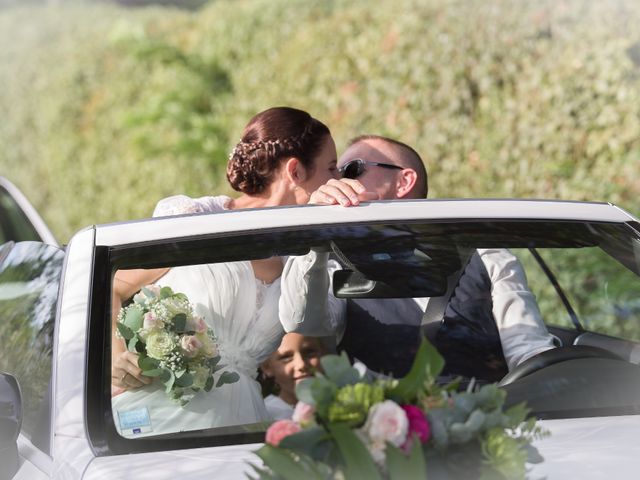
(294, 171)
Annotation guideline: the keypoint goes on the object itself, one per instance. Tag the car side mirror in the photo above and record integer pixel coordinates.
(10, 424)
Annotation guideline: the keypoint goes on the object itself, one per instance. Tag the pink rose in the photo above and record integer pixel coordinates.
(190, 345)
(418, 426)
(281, 429)
(150, 321)
(387, 422)
(155, 289)
(303, 413)
(196, 324)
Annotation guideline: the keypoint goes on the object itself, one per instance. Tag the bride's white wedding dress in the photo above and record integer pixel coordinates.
(243, 313)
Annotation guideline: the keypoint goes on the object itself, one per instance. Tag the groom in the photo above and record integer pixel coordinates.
(491, 321)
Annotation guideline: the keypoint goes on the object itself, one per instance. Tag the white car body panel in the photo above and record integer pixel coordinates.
(206, 463)
(257, 219)
(590, 449)
(71, 450)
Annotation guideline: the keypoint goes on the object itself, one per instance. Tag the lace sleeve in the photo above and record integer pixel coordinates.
(182, 205)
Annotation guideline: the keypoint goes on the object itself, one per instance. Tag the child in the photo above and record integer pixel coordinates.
(297, 358)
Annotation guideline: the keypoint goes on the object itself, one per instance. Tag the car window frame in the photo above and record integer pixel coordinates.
(101, 430)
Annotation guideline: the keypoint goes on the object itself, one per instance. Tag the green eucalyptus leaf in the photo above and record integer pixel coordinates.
(227, 377)
(179, 322)
(338, 369)
(304, 393)
(208, 384)
(185, 380)
(147, 363)
(168, 384)
(156, 372)
(166, 292)
(132, 344)
(148, 293)
(133, 318)
(125, 331)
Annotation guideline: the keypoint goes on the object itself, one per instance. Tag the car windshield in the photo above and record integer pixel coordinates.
(14, 224)
(547, 308)
(30, 275)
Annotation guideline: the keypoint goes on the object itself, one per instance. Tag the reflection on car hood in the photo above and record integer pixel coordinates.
(198, 463)
(589, 448)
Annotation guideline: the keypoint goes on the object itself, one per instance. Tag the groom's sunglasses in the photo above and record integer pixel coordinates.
(356, 167)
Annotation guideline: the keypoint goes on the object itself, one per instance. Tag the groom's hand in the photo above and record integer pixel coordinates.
(346, 192)
(125, 372)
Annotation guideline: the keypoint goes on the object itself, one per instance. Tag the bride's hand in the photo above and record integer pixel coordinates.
(346, 192)
(125, 372)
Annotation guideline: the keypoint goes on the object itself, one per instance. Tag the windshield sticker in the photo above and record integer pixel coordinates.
(135, 421)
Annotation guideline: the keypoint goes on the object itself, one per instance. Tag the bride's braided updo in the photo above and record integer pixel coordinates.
(270, 137)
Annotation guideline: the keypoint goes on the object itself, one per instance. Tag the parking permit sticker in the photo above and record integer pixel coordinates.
(135, 421)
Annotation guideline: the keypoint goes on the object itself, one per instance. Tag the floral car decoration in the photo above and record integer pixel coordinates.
(348, 426)
(173, 343)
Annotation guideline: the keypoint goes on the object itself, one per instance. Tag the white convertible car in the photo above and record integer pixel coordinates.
(582, 263)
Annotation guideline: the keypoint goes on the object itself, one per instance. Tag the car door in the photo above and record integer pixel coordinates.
(30, 273)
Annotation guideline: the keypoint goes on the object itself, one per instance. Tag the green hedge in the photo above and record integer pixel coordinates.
(107, 109)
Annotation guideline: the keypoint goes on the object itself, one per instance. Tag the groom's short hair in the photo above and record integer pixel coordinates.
(411, 159)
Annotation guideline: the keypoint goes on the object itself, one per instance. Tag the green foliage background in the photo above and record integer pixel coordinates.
(106, 109)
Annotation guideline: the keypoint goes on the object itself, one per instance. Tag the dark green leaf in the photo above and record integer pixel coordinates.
(147, 363)
(209, 384)
(306, 440)
(283, 463)
(166, 292)
(179, 322)
(170, 381)
(227, 377)
(125, 331)
(427, 365)
(185, 380)
(357, 459)
(156, 372)
(409, 467)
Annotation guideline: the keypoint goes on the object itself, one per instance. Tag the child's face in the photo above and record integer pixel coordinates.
(297, 358)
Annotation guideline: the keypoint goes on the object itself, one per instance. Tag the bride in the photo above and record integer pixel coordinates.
(283, 156)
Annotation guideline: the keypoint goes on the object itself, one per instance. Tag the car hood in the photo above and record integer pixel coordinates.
(197, 463)
(589, 448)
(585, 448)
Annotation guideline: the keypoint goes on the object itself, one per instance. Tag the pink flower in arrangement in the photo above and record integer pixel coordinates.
(303, 413)
(418, 426)
(387, 422)
(281, 429)
(150, 321)
(190, 345)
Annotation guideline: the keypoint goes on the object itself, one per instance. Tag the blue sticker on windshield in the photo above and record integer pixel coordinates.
(135, 421)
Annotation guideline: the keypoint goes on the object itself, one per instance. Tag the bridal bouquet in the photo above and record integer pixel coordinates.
(173, 343)
(348, 427)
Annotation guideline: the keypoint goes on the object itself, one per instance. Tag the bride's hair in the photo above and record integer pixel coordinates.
(268, 138)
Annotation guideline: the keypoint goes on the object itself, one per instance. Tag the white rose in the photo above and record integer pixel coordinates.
(200, 376)
(209, 349)
(387, 422)
(160, 344)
